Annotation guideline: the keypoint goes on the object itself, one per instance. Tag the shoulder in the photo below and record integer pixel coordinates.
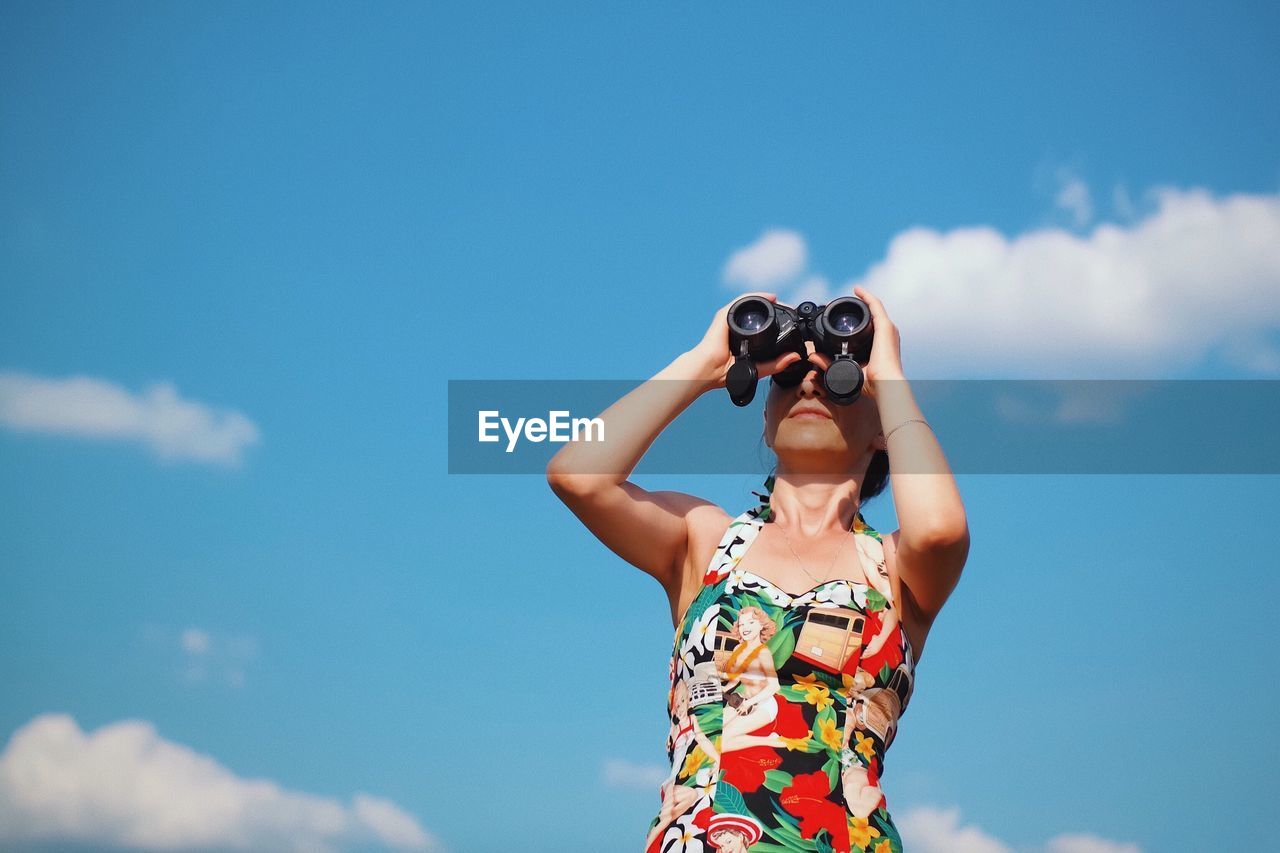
(705, 526)
(707, 523)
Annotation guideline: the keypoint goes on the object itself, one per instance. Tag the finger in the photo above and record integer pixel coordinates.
(873, 302)
(821, 359)
(780, 363)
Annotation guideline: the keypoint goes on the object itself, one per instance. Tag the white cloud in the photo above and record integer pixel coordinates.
(195, 641)
(929, 830)
(1088, 844)
(86, 407)
(124, 785)
(939, 830)
(1198, 276)
(814, 288)
(205, 653)
(1075, 198)
(624, 774)
(775, 258)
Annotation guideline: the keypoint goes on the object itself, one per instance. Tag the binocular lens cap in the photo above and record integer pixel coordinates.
(844, 378)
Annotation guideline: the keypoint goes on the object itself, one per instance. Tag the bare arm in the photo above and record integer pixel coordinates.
(647, 529)
(931, 543)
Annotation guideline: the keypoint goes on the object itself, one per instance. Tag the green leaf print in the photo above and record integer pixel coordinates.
(890, 831)
(730, 799)
(823, 842)
(781, 645)
(787, 832)
(793, 694)
(876, 600)
(766, 847)
(832, 768)
(710, 717)
(776, 780)
(885, 672)
(706, 596)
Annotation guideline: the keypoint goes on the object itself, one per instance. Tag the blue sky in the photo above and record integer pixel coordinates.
(243, 249)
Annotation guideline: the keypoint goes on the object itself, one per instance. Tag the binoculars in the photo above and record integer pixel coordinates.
(760, 330)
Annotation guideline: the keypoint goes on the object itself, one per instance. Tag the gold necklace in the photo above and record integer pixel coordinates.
(843, 540)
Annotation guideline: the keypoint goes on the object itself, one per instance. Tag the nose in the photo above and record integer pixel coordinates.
(811, 385)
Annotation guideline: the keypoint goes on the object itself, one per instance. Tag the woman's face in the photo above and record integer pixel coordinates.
(728, 839)
(748, 626)
(834, 440)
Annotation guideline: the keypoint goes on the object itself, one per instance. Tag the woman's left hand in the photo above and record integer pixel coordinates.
(885, 361)
(886, 346)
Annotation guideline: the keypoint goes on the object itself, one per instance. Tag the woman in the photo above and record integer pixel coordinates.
(799, 693)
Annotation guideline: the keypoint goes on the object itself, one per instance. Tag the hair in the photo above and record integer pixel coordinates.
(877, 476)
(767, 626)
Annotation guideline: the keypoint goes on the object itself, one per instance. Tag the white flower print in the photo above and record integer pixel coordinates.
(684, 836)
(837, 594)
(700, 644)
(688, 660)
(702, 634)
(737, 579)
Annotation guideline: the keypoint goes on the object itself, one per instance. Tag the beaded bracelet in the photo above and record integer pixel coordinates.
(904, 423)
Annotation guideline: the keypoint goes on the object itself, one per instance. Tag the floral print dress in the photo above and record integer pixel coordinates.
(782, 707)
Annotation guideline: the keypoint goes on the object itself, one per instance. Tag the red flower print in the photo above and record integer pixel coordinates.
(790, 721)
(808, 797)
(744, 769)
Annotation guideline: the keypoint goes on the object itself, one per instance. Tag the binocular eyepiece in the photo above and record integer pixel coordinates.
(760, 330)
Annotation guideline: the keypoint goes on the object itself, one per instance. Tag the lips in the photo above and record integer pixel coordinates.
(811, 411)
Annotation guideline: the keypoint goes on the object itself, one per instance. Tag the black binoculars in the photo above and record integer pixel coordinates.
(760, 330)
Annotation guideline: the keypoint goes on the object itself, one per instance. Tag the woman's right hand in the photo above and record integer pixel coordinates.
(713, 349)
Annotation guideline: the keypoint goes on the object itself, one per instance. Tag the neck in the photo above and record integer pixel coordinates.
(815, 504)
